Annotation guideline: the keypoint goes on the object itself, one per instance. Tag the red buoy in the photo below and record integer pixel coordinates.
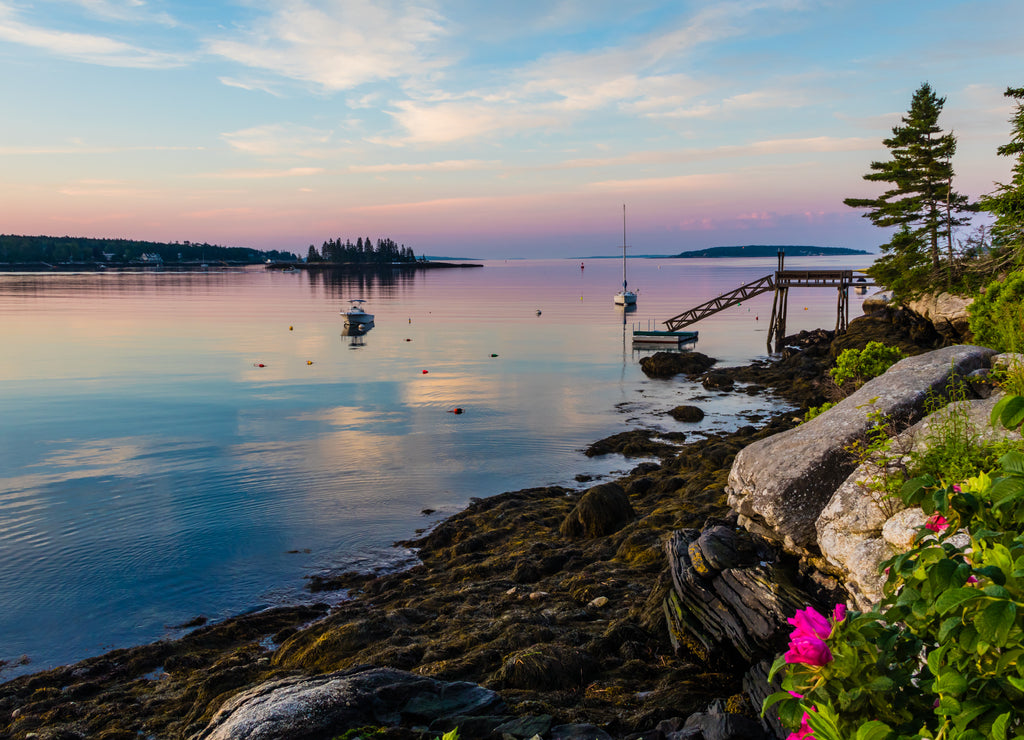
(424, 372)
(455, 410)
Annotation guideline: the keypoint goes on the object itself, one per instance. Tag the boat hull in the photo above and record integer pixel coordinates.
(670, 338)
(360, 317)
(628, 298)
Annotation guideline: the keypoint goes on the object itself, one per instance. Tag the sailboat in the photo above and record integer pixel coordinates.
(624, 297)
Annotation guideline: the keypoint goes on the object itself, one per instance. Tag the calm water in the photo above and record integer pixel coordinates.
(152, 472)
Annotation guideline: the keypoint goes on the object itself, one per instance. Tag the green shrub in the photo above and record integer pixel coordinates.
(814, 411)
(997, 315)
(857, 366)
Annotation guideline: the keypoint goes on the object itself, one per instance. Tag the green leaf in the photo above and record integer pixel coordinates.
(773, 699)
(951, 682)
(995, 621)
(954, 597)
(997, 410)
(880, 683)
(998, 731)
(1012, 413)
(873, 730)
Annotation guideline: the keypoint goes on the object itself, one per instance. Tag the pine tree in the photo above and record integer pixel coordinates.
(1006, 203)
(921, 201)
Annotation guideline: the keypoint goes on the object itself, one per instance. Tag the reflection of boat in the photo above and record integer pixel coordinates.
(356, 314)
(624, 297)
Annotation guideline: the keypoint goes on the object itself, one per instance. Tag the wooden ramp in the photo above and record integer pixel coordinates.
(780, 281)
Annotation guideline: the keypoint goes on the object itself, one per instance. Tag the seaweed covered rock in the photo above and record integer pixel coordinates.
(667, 364)
(689, 414)
(633, 443)
(602, 510)
(553, 667)
(330, 704)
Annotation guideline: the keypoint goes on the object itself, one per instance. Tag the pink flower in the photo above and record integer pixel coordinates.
(936, 523)
(809, 624)
(972, 579)
(796, 695)
(804, 733)
(956, 487)
(838, 613)
(809, 650)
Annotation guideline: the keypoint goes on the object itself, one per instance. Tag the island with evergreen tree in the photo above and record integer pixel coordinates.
(770, 250)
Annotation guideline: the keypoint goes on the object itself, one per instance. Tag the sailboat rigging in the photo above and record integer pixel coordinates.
(624, 297)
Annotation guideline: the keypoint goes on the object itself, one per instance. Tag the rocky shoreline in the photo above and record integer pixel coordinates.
(543, 612)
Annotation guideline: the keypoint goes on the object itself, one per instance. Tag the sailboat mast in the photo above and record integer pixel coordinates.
(623, 247)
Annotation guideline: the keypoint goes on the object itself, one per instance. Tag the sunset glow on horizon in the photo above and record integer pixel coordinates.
(486, 130)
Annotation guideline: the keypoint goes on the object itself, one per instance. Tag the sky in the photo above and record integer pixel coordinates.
(499, 129)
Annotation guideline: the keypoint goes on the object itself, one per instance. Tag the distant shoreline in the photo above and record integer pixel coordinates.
(748, 250)
(65, 267)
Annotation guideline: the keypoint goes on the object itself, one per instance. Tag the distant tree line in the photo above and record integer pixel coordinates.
(64, 249)
(363, 251)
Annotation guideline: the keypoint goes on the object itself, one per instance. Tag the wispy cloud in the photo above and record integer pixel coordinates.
(265, 174)
(337, 45)
(82, 47)
(449, 165)
(278, 140)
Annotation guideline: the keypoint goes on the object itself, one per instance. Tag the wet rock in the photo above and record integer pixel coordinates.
(525, 727)
(781, 484)
(579, 732)
(739, 611)
(330, 704)
(602, 510)
(716, 724)
(668, 364)
(634, 443)
(717, 382)
(687, 413)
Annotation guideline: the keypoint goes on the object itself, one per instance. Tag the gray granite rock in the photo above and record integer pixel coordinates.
(858, 530)
(321, 706)
(946, 312)
(780, 485)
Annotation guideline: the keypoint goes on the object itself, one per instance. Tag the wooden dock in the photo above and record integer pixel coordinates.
(780, 282)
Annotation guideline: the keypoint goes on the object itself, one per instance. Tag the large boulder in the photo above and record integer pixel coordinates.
(946, 312)
(780, 485)
(728, 599)
(303, 707)
(667, 364)
(602, 510)
(859, 528)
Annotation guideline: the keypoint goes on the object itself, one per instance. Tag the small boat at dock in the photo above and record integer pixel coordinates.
(667, 338)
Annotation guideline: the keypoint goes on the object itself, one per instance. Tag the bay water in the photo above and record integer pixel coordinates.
(177, 445)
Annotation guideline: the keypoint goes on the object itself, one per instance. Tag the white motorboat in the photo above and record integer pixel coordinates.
(624, 297)
(356, 315)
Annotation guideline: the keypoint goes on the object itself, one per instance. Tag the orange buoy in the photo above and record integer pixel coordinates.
(455, 410)
(290, 328)
(309, 362)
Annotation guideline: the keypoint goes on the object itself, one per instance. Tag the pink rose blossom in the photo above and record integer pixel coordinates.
(956, 487)
(936, 523)
(809, 624)
(838, 613)
(808, 650)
